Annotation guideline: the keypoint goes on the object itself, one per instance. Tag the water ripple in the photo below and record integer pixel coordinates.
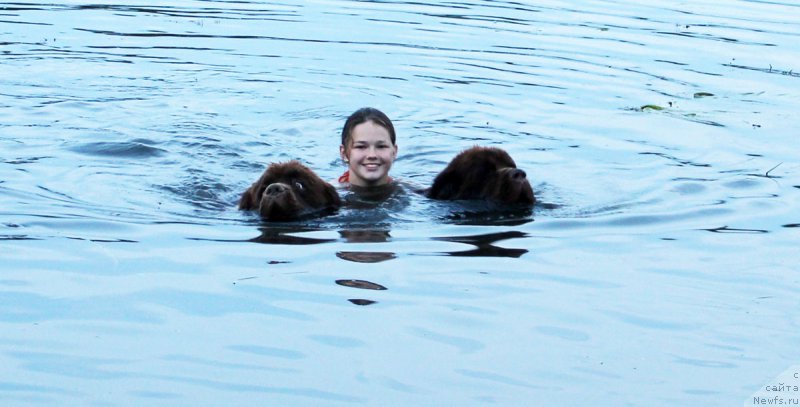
(660, 138)
(128, 149)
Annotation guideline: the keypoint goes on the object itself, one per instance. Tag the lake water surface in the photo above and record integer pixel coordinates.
(659, 269)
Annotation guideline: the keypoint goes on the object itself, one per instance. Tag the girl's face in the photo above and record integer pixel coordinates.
(370, 154)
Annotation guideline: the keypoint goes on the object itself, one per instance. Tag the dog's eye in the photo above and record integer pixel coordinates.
(299, 185)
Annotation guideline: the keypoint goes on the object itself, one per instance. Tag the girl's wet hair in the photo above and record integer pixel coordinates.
(366, 114)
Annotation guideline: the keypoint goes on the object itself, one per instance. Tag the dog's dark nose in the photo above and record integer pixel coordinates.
(276, 189)
(518, 174)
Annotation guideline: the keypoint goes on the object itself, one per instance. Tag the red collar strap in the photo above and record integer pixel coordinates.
(345, 177)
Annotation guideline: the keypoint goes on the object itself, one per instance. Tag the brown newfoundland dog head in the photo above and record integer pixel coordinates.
(289, 191)
(483, 173)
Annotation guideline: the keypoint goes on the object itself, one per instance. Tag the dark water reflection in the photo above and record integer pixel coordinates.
(484, 246)
(364, 285)
(366, 257)
(285, 235)
(288, 235)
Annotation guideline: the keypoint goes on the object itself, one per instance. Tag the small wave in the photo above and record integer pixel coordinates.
(127, 149)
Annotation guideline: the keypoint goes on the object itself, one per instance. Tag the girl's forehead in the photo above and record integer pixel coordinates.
(370, 132)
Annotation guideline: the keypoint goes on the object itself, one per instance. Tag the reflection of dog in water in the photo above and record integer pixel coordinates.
(486, 173)
(288, 191)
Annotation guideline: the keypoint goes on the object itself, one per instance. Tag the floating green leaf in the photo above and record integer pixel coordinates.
(651, 107)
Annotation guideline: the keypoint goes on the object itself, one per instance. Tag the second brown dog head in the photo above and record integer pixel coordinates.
(483, 173)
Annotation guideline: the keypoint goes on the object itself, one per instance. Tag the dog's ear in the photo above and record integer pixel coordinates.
(250, 198)
(332, 196)
(444, 185)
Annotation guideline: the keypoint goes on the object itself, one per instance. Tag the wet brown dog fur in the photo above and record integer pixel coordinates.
(287, 191)
(487, 173)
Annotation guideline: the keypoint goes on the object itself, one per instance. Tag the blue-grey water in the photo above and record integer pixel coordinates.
(660, 267)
